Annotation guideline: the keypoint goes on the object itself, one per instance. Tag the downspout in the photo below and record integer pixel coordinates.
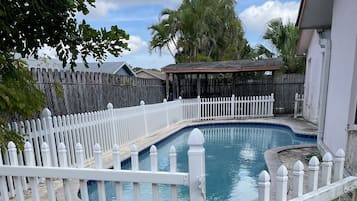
(325, 43)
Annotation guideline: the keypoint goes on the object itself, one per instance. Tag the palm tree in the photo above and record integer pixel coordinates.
(200, 30)
(285, 38)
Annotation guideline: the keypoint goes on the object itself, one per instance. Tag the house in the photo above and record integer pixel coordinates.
(118, 68)
(328, 39)
(150, 74)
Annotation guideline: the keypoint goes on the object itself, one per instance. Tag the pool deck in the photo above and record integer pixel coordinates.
(297, 125)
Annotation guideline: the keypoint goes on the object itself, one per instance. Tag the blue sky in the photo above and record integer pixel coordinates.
(135, 16)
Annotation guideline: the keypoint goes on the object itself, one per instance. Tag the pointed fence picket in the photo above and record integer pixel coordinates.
(193, 178)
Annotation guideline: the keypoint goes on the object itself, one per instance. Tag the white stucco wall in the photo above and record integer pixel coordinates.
(343, 53)
(313, 80)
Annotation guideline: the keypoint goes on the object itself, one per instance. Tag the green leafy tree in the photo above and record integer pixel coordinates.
(285, 38)
(200, 30)
(25, 27)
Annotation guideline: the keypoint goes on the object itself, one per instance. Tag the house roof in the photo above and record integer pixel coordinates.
(106, 67)
(315, 14)
(225, 66)
(155, 74)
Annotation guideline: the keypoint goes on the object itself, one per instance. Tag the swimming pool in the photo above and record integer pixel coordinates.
(234, 159)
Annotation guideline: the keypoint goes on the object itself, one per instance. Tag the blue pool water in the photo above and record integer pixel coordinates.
(234, 159)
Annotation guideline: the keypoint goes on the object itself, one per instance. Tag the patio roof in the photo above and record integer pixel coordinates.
(225, 66)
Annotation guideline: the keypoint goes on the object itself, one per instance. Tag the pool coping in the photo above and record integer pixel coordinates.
(145, 142)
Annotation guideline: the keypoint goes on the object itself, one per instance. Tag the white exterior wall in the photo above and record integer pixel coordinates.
(343, 53)
(313, 80)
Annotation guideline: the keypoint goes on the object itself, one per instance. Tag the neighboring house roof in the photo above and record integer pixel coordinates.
(146, 73)
(106, 67)
(47, 63)
(225, 66)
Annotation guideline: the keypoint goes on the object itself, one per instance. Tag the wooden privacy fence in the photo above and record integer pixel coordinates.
(194, 178)
(332, 184)
(77, 92)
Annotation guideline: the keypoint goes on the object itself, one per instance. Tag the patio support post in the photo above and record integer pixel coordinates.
(196, 166)
(198, 84)
(174, 88)
(167, 85)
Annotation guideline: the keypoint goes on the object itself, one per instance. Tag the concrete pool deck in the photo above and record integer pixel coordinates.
(297, 125)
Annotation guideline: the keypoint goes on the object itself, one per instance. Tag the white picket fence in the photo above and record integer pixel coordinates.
(194, 178)
(332, 185)
(236, 107)
(298, 105)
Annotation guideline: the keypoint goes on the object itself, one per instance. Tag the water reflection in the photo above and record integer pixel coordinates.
(234, 159)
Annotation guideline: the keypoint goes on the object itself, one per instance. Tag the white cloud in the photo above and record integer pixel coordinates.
(136, 44)
(255, 18)
(47, 51)
(102, 7)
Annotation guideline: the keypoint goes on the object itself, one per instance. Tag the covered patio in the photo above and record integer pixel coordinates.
(213, 79)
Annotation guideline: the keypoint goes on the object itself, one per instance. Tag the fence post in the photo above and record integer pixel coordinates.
(63, 162)
(232, 106)
(167, 112)
(264, 186)
(142, 104)
(196, 165)
(99, 165)
(117, 166)
(296, 105)
(326, 169)
(110, 108)
(46, 161)
(199, 108)
(181, 108)
(30, 161)
(3, 186)
(80, 164)
(153, 164)
(298, 173)
(339, 164)
(135, 167)
(173, 169)
(271, 104)
(313, 173)
(46, 115)
(281, 183)
(14, 162)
